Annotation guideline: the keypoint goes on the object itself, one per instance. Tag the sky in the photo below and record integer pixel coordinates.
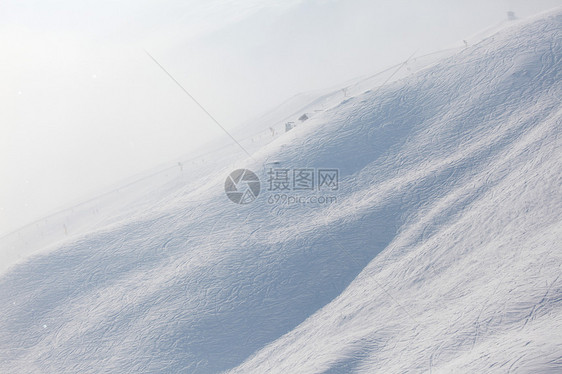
(82, 106)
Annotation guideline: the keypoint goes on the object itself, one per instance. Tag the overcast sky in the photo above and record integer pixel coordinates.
(82, 106)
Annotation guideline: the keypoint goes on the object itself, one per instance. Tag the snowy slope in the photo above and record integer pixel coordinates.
(133, 193)
(442, 253)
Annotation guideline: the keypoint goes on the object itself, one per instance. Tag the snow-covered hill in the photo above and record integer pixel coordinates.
(442, 253)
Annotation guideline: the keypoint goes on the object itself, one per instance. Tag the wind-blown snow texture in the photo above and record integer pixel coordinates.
(443, 252)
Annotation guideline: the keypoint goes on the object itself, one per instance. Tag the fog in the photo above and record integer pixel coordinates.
(82, 106)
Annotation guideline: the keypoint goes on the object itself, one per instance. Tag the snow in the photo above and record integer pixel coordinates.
(442, 253)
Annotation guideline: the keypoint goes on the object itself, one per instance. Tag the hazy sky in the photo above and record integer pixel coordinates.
(82, 106)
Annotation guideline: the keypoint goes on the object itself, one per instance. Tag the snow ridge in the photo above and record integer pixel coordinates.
(442, 253)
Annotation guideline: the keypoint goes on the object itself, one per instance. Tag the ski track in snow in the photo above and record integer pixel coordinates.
(442, 254)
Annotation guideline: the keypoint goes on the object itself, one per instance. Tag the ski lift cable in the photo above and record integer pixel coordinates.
(198, 104)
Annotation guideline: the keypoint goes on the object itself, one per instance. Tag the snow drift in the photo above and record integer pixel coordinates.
(442, 253)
